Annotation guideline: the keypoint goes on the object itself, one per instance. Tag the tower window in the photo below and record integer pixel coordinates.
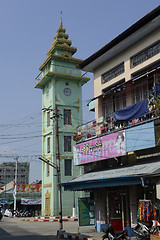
(48, 119)
(67, 143)
(48, 144)
(67, 117)
(68, 167)
(47, 170)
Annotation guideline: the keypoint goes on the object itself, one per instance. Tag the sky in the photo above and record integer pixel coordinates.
(27, 30)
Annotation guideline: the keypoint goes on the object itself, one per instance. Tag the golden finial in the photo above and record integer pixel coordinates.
(61, 21)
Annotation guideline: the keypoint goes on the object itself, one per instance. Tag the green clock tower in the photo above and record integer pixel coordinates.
(61, 83)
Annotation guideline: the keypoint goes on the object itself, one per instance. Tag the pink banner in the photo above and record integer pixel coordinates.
(108, 146)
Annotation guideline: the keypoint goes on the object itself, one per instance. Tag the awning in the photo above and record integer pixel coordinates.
(6, 201)
(124, 176)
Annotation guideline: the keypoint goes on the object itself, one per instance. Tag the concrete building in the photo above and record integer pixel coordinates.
(61, 83)
(120, 148)
(7, 172)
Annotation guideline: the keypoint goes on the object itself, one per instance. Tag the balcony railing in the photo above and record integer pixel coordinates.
(105, 125)
(61, 69)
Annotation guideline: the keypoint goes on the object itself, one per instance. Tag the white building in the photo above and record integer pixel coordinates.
(120, 148)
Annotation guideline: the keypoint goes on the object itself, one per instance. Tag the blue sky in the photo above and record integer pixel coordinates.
(27, 29)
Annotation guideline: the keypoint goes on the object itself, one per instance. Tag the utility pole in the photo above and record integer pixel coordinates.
(15, 185)
(57, 166)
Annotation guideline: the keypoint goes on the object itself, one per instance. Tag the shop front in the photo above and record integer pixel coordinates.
(117, 192)
(112, 205)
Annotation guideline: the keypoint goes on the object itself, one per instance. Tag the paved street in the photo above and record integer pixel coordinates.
(14, 228)
(17, 229)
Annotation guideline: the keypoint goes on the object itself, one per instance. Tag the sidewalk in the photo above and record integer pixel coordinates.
(85, 233)
(71, 228)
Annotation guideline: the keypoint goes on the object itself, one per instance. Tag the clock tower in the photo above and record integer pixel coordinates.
(61, 83)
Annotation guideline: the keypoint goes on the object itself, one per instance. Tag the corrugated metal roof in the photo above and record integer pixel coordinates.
(139, 169)
(114, 177)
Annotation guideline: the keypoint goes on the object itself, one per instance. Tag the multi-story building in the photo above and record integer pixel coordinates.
(61, 83)
(7, 172)
(120, 149)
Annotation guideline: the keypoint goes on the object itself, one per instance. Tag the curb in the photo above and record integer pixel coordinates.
(72, 236)
(51, 219)
(63, 235)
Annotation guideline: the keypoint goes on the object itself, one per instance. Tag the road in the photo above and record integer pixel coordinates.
(16, 229)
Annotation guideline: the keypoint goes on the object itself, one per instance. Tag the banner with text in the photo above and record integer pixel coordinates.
(29, 187)
(25, 201)
(108, 146)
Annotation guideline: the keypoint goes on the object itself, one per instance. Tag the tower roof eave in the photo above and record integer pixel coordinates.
(62, 47)
(59, 57)
(43, 81)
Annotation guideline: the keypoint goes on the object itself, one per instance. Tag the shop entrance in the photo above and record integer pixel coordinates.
(118, 210)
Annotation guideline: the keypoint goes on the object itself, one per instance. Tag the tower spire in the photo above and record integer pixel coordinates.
(61, 21)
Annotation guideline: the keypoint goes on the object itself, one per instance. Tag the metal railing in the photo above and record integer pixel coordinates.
(61, 69)
(106, 125)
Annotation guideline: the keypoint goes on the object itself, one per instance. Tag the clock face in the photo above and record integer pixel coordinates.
(67, 91)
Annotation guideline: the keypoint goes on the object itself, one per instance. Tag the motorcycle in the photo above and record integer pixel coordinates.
(111, 235)
(143, 230)
(25, 213)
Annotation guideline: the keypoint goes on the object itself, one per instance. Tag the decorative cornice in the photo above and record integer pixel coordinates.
(66, 157)
(57, 80)
(77, 83)
(77, 108)
(57, 100)
(47, 185)
(50, 74)
(77, 101)
(62, 57)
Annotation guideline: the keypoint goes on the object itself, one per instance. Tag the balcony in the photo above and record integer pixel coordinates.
(106, 125)
(61, 70)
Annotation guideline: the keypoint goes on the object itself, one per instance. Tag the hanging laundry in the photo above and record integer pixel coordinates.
(156, 88)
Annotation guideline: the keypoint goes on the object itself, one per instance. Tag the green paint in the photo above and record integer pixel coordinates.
(86, 214)
(59, 72)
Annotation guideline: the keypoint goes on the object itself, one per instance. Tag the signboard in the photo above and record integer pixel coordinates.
(25, 201)
(29, 187)
(7, 188)
(108, 146)
(86, 215)
(141, 137)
